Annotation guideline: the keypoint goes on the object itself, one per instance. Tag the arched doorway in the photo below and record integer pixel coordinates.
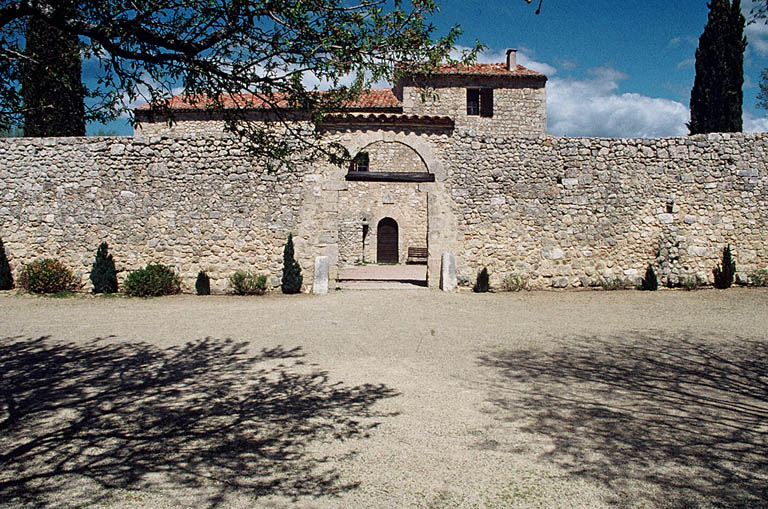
(386, 241)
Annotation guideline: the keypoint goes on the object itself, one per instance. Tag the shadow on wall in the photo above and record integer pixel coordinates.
(670, 420)
(205, 417)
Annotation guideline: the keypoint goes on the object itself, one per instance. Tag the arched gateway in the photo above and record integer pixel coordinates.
(386, 241)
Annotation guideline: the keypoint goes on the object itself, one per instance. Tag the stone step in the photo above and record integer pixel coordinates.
(384, 273)
(379, 285)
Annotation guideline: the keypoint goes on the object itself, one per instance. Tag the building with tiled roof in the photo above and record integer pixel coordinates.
(387, 205)
(502, 98)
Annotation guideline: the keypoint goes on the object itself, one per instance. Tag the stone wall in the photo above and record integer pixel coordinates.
(181, 127)
(519, 104)
(562, 212)
(393, 156)
(369, 203)
(566, 212)
(189, 202)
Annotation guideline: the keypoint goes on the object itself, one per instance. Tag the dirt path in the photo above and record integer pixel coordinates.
(386, 399)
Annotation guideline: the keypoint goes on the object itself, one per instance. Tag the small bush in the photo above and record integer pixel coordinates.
(515, 283)
(203, 283)
(649, 282)
(759, 277)
(152, 281)
(690, 283)
(292, 277)
(248, 283)
(103, 273)
(47, 275)
(725, 272)
(6, 276)
(610, 284)
(482, 285)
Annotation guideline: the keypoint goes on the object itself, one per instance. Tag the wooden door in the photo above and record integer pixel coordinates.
(386, 241)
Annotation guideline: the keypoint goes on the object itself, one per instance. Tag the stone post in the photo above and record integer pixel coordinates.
(448, 273)
(320, 283)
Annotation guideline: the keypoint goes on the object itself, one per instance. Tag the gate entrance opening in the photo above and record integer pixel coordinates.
(386, 241)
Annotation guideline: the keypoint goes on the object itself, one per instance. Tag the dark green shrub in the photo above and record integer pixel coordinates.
(6, 276)
(292, 278)
(103, 273)
(248, 283)
(203, 283)
(482, 285)
(649, 282)
(47, 275)
(725, 272)
(152, 281)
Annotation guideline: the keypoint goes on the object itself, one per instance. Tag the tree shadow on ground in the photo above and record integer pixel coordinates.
(207, 416)
(669, 420)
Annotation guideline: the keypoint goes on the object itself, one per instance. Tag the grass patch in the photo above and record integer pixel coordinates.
(62, 295)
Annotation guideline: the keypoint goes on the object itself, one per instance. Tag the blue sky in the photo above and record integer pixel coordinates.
(615, 69)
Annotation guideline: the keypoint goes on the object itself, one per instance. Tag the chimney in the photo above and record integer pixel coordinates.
(511, 59)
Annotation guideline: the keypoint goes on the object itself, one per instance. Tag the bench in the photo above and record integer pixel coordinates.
(417, 255)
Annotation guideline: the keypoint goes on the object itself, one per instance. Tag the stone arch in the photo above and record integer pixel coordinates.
(441, 220)
(391, 156)
(414, 141)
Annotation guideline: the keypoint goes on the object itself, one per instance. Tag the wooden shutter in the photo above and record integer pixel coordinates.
(486, 102)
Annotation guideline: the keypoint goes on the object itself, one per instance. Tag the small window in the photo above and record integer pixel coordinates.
(473, 101)
(480, 102)
(360, 162)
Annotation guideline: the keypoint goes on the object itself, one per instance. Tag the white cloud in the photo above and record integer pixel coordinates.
(595, 107)
(566, 64)
(757, 32)
(524, 58)
(754, 124)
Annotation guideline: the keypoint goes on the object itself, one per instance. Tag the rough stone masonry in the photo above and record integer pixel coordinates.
(563, 212)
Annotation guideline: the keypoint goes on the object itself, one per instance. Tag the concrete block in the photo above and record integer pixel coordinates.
(448, 273)
(320, 283)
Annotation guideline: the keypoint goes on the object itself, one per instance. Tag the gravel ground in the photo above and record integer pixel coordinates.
(386, 399)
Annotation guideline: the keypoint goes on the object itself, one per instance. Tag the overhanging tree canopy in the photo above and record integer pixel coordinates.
(220, 49)
(760, 15)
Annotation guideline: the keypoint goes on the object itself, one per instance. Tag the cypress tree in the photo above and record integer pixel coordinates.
(52, 87)
(103, 273)
(725, 272)
(6, 276)
(203, 283)
(650, 282)
(716, 97)
(292, 277)
(482, 285)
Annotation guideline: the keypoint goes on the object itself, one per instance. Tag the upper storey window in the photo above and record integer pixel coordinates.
(360, 162)
(480, 102)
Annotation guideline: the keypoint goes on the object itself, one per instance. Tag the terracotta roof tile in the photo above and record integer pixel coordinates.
(377, 98)
(496, 69)
(387, 119)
